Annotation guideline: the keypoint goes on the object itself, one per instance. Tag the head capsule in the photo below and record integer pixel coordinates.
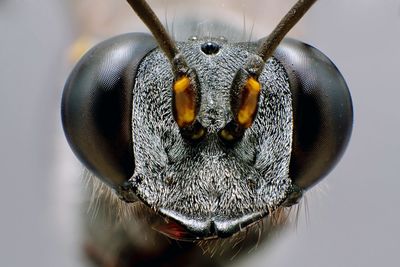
(213, 135)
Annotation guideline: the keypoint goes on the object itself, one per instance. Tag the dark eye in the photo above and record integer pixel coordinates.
(210, 48)
(322, 111)
(96, 106)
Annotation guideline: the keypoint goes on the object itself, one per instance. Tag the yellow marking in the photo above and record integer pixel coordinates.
(181, 85)
(226, 135)
(198, 135)
(248, 106)
(253, 85)
(184, 102)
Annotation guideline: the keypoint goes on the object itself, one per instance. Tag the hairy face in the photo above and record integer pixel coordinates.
(210, 188)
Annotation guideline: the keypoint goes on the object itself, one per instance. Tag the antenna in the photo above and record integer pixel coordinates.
(246, 89)
(185, 90)
(267, 48)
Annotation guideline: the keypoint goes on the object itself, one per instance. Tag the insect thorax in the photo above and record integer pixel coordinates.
(210, 181)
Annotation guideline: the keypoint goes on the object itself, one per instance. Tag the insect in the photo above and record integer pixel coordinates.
(200, 141)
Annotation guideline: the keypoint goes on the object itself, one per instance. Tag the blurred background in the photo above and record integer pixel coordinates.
(352, 217)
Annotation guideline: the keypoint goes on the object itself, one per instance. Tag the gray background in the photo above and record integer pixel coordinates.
(353, 217)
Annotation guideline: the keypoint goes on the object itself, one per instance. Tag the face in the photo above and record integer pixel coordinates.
(213, 136)
(210, 187)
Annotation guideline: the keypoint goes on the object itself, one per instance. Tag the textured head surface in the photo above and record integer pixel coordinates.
(211, 189)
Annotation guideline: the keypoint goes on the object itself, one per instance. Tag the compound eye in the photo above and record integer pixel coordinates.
(322, 111)
(97, 106)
